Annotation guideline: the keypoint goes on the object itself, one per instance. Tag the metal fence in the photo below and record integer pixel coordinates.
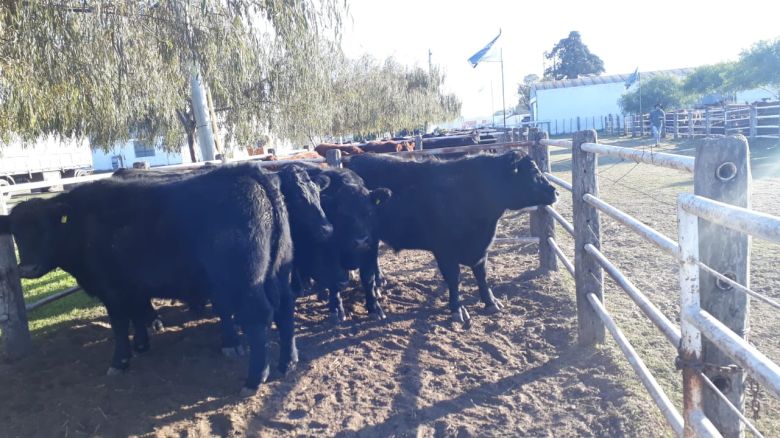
(713, 262)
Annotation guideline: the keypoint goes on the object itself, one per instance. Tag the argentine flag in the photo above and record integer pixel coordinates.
(633, 78)
(475, 58)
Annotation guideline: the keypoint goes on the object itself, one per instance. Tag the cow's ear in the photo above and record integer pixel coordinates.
(322, 180)
(379, 196)
(5, 224)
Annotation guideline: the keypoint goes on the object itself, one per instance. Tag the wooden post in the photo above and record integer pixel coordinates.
(753, 121)
(641, 125)
(722, 173)
(589, 277)
(556, 126)
(707, 122)
(542, 224)
(578, 123)
(13, 314)
(691, 130)
(418, 143)
(633, 125)
(333, 158)
(676, 125)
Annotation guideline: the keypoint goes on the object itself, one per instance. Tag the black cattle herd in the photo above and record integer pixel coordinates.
(250, 241)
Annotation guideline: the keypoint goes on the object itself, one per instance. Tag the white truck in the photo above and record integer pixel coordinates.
(49, 158)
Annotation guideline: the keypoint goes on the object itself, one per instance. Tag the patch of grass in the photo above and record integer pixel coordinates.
(60, 312)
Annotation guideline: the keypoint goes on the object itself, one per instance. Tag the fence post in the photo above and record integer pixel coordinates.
(707, 122)
(333, 157)
(641, 125)
(589, 276)
(753, 121)
(722, 173)
(13, 314)
(542, 224)
(691, 130)
(633, 125)
(418, 142)
(676, 125)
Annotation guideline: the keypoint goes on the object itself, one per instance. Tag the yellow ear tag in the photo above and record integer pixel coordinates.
(378, 201)
(64, 219)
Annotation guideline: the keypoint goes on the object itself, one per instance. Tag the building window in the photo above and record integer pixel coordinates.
(143, 149)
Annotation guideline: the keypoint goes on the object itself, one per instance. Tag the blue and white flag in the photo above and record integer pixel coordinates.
(475, 58)
(633, 78)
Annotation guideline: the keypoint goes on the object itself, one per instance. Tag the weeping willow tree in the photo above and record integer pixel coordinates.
(121, 69)
(370, 97)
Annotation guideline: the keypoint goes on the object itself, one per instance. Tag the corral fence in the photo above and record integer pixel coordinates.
(14, 327)
(609, 124)
(713, 252)
(759, 120)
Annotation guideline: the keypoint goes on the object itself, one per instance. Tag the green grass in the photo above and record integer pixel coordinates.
(60, 312)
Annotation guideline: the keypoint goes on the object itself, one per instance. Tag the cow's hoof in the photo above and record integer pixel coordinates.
(141, 347)
(380, 281)
(233, 352)
(338, 316)
(158, 326)
(495, 307)
(378, 314)
(377, 293)
(247, 392)
(462, 317)
(115, 371)
(287, 369)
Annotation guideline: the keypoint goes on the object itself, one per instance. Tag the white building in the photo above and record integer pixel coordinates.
(590, 98)
(123, 155)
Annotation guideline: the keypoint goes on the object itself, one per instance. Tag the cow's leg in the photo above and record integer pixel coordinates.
(140, 336)
(120, 324)
(257, 334)
(492, 304)
(450, 270)
(285, 322)
(368, 274)
(231, 342)
(335, 305)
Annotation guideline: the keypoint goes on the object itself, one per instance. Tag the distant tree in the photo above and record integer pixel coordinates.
(759, 66)
(572, 58)
(715, 78)
(664, 89)
(524, 93)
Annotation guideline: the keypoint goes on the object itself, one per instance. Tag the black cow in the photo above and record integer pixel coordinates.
(351, 208)
(307, 223)
(451, 208)
(447, 141)
(224, 234)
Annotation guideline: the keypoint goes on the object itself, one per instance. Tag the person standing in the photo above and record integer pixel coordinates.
(657, 117)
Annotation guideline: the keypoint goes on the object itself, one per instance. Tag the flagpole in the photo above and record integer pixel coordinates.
(503, 94)
(641, 117)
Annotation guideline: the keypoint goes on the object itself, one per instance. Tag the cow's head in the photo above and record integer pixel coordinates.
(302, 196)
(37, 226)
(522, 184)
(353, 210)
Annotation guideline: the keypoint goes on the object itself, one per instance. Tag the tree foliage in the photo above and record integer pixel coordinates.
(758, 66)
(571, 58)
(121, 69)
(524, 93)
(664, 89)
(706, 79)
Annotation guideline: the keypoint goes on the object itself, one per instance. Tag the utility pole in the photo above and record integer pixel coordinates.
(503, 94)
(201, 109)
(430, 64)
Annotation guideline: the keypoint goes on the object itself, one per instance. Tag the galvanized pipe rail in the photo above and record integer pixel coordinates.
(666, 406)
(558, 181)
(561, 256)
(672, 161)
(560, 219)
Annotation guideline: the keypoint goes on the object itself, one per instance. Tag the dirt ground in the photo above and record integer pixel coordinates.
(516, 374)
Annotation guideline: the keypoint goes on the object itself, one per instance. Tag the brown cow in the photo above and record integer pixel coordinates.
(346, 149)
(307, 155)
(383, 147)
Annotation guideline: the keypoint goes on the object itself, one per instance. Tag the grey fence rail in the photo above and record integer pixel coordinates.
(714, 225)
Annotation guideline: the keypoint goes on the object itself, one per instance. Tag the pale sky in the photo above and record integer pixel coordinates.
(651, 35)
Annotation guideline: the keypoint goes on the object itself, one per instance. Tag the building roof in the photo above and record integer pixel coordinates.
(610, 79)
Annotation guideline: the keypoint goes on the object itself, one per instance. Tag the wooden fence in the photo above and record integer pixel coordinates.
(760, 120)
(712, 249)
(14, 327)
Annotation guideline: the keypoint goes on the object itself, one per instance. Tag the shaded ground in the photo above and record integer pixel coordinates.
(413, 375)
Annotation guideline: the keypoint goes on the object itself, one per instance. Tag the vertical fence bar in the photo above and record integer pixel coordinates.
(542, 223)
(722, 173)
(333, 158)
(589, 277)
(676, 125)
(753, 122)
(691, 131)
(707, 122)
(13, 314)
(418, 142)
(690, 359)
